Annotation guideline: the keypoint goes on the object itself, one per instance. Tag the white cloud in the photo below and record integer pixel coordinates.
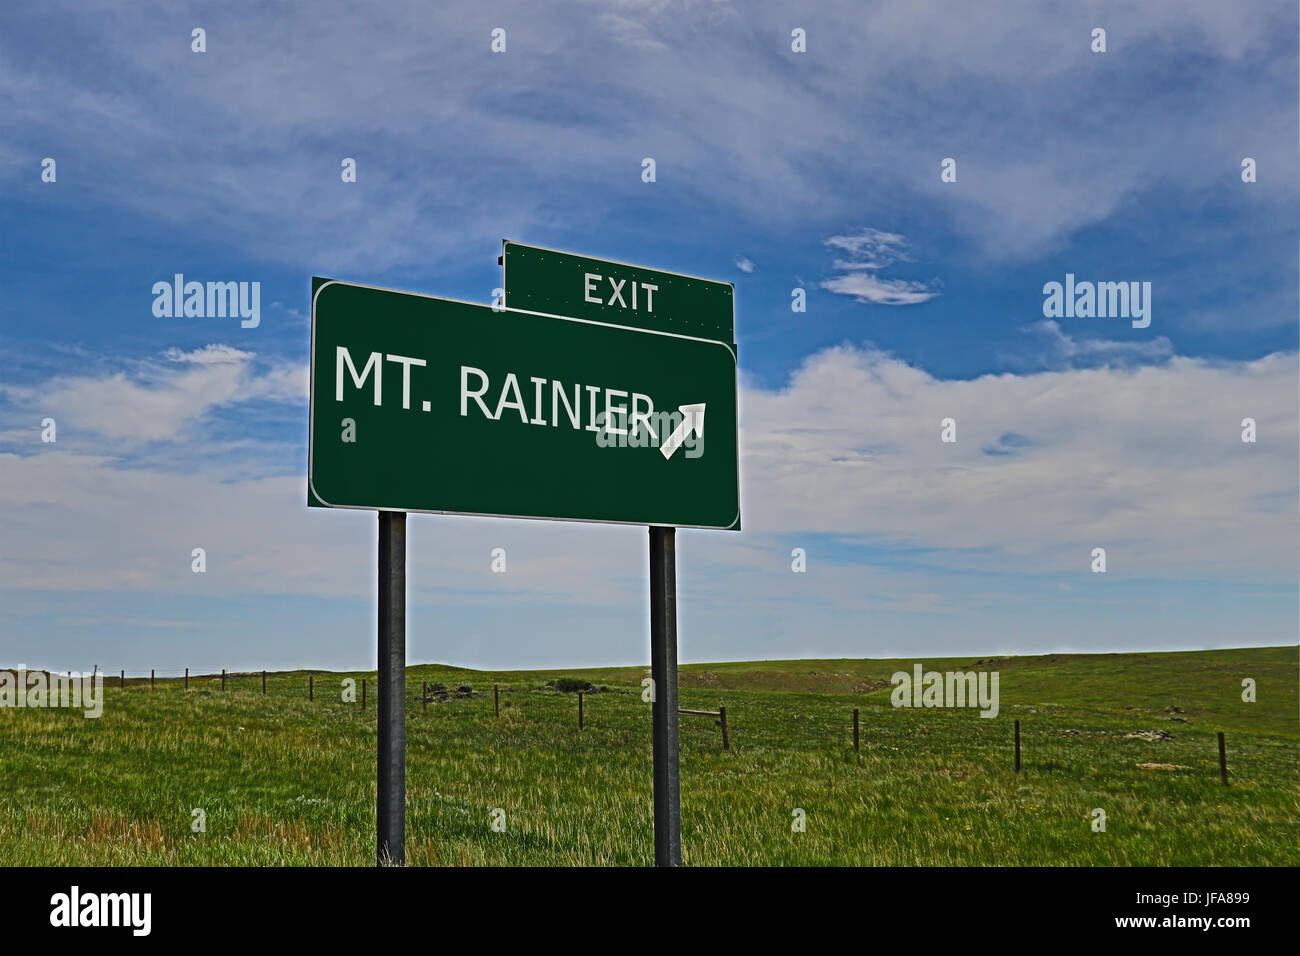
(630, 32)
(208, 355)
(880, 89)
(163, 397)
(745, 264)
(284, 383)
(869, 250)
(867, 288)
(87, 522)
(1146, 462)
(1067, 347)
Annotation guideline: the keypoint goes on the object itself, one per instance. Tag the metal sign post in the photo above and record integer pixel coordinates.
(663, 671)
(552, 282)
(390, 810)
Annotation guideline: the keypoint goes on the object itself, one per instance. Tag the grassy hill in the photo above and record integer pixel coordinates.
(285, 780)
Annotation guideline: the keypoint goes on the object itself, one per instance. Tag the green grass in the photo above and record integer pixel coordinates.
(285, 781)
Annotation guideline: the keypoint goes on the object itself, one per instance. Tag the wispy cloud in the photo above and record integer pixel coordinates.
(1062, 346)
(157, 399)
(868, 288)
(671, 79)
(866, 252)
(1045, 466)
(1030, 486)
(869, 249)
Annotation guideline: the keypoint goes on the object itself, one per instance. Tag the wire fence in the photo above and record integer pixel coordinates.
(950, 739)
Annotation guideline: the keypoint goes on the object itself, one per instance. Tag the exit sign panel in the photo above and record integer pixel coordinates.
(601, 290)
(427, 404)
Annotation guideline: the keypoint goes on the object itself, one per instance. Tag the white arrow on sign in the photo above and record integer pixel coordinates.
(692, 421)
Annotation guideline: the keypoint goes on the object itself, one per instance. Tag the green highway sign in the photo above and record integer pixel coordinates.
(563, 283)
(434, 405)
(584, 396)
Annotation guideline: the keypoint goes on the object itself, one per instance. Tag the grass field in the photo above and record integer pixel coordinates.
(285, 781)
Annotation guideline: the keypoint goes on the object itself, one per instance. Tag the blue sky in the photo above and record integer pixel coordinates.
(775, 170)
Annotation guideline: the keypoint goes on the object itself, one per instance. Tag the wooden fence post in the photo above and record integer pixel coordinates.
(855, 730)
(1223, 760)
(1017, 746)
(424, 694)
(122, 681)
(187, 678)
(151, 678)
(496, 701)
(223, 678)
(579, 710)
(720, 713)
(263, 683)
